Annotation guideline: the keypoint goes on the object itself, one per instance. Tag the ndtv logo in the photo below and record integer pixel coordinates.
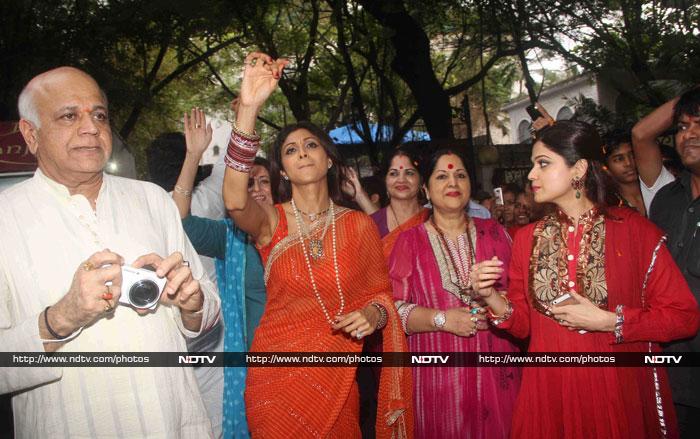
(429, 359)
(196, 359)
(662, 359)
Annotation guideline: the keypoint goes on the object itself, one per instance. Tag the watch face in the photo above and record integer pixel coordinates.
(439, 319)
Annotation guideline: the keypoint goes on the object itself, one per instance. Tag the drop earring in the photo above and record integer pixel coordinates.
(577, 184)
(285, 177)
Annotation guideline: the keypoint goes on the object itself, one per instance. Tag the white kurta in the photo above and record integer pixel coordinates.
(45, 234)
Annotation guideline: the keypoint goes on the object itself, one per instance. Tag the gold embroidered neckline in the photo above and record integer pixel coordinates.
(549, 273)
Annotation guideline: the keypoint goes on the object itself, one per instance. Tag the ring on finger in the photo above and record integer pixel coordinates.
(359, 334)
(186, 263)
(87, 266)
(107, 295)
(108, 307)
(253, 61)
(197, 125)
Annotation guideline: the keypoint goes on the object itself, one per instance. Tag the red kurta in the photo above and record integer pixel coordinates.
(603, 402)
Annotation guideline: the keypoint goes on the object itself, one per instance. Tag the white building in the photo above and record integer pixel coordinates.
(555, 99)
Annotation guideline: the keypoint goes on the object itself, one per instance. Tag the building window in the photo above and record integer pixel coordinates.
(215, 150)
(565, 113)
(524, 131)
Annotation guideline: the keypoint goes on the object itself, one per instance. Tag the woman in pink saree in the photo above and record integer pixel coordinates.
(429, 269)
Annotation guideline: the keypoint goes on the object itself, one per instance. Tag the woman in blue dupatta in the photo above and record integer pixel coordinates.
(239, 270)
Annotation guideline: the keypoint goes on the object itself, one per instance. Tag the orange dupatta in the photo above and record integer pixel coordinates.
(389, 240)
(305, 401)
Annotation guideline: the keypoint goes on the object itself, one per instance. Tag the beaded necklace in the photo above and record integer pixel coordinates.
(331, 214)
(464, 285)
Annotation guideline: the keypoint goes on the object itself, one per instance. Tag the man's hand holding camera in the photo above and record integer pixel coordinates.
(95, 289)
(181, 289)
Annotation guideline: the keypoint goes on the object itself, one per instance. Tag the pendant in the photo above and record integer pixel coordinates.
(465, 297)
(316, 249)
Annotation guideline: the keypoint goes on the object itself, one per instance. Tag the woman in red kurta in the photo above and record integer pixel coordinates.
(626, 295)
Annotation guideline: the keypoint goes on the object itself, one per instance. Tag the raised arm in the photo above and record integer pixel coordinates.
(353, 188)
(197, 138)
(647, 153)
(260, 77)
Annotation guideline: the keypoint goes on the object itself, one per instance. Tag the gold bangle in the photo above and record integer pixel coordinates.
(252, 136)
(494, 316)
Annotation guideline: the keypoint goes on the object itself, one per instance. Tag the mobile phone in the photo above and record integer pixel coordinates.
(564, 299)
(533, 112)
(498, 196)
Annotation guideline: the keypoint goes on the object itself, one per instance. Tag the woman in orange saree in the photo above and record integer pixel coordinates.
(326, 279)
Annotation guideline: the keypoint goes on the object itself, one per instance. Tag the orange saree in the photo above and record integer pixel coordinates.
(389, 240)
(286, 402)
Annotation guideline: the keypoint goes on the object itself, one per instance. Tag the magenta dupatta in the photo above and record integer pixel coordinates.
(455, 402)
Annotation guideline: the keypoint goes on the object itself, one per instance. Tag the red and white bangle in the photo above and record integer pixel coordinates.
(242, 148)
(497, 320)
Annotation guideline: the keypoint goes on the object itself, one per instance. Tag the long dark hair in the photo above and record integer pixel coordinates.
(336, 174)
(577, 140)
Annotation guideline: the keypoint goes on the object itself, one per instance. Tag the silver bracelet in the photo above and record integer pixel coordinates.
(184, 192)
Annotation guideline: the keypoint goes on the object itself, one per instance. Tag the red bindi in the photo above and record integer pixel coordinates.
(450, 166)
(400, 167)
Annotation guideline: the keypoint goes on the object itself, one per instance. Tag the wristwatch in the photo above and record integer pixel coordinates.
(439, 319)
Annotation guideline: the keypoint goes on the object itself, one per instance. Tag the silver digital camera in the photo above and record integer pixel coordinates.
(141, 287)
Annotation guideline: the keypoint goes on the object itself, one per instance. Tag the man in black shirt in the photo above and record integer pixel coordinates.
(676, 209)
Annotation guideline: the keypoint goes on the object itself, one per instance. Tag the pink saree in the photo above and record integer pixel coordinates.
(454, 402)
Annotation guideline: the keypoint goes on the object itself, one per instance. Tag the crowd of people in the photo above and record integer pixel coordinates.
(596, 252)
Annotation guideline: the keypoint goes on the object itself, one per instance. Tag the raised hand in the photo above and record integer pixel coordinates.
(198, 133)
(544, 121)
(260, 77)
(352, 185)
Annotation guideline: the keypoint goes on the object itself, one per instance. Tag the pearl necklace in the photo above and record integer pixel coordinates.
(297, 218)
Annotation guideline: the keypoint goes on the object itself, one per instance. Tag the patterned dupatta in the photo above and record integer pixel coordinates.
(549, 272)
(230, 275)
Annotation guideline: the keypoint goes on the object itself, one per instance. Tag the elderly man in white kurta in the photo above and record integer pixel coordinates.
(65, 234)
